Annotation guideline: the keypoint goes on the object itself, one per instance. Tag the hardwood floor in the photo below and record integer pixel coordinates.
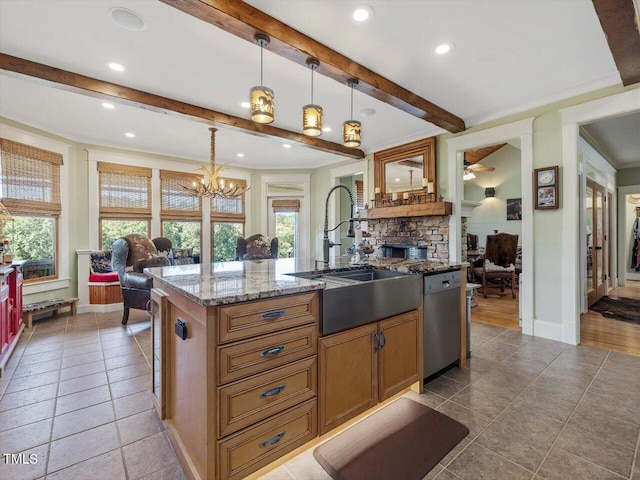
(501, 311)
(598, 331)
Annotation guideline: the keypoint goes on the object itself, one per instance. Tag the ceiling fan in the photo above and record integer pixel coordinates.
(476, 167)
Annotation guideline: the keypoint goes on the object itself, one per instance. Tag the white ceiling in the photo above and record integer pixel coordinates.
(508, 57)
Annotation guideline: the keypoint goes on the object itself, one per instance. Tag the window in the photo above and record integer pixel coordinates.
(225, 236)
(285, 221)
(181, 212)
(227, 224)
(125, 201)
(30, 190)
(111, 230)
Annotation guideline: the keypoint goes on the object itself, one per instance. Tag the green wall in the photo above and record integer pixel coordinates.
(627, 177)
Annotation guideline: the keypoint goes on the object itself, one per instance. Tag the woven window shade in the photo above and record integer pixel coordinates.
(228, 209)
(30, 179)
(286, 205)
(359, 194)
(176, 203)
(125, 191)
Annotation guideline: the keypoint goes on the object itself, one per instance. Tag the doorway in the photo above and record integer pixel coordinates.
(497, 169)
(283, 223)
(597, 244)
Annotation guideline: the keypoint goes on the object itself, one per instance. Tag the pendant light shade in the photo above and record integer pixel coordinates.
(262, 98)
(312, 114)
(351, 129)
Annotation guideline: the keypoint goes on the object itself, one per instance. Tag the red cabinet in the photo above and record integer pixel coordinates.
(10, 309)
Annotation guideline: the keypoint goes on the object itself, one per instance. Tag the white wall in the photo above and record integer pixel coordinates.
(491, 214)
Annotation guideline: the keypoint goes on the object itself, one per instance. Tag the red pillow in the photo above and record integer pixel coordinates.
(104, 277)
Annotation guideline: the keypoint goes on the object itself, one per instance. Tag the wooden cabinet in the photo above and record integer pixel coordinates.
(4, 316)
(348, 373)
(400, 353)
(10, 309)
(360, 367)
(241, 389)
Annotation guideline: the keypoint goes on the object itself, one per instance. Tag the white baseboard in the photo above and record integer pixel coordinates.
(110, 307)
(527, 324)
(550, 330)
(632, 276)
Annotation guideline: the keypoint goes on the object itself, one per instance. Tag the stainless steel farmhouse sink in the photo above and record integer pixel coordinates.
(358, 296)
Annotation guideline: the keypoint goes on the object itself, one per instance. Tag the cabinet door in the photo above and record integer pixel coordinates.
(16, 293)
(348, 375)
(158, 312)
(400, 353)
(4, 317)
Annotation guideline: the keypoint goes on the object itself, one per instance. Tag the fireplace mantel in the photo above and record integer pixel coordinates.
(414, 210)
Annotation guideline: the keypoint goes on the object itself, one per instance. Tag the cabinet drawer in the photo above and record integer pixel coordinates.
(249, 401)
(240, 360)
(250, 319)
(261, 444)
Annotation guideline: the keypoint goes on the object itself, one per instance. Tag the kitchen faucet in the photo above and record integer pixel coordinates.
(326, 243)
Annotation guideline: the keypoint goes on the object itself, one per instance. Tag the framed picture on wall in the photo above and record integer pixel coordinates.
(514, 208)
(545, 183)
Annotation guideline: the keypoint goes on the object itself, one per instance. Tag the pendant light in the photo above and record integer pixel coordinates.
(351, 136)
(213, 185)
(312, 114)
(262, 100)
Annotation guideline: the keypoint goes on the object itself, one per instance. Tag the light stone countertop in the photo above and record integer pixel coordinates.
(232, 282)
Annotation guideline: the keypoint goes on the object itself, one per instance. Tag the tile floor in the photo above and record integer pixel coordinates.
(75, 398)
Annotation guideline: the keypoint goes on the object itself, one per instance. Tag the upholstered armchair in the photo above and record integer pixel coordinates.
(131, 255)
(256, 247)
(497, 268)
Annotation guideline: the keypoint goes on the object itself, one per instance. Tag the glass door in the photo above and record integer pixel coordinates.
(283, 223)
(595, 230)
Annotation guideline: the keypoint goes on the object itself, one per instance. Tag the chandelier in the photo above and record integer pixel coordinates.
(212, 184)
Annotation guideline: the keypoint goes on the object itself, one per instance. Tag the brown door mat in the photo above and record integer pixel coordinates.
(401, 441)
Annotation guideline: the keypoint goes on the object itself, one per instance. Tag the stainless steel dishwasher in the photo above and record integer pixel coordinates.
(441, 317)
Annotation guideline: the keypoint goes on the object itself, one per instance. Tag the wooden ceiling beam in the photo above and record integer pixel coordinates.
(621, 25)
(474, 156)
(244, 21)
(92, 87)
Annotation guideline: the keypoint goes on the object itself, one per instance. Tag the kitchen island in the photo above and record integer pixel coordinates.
(242, 373)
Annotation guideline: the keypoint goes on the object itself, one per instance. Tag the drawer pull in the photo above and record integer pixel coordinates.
(272, 351)
(273, 440)
(273, 392)
(274, 314)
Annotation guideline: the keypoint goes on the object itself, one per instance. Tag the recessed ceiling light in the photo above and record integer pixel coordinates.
(362, 13)
(108, 106)
(240, 155)
(286, 145)
(127, 18)
(326, 129)
(130, 135)
(444, 48)
(245, 104)
(367, 112)
(115, 66)
(397, 179)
